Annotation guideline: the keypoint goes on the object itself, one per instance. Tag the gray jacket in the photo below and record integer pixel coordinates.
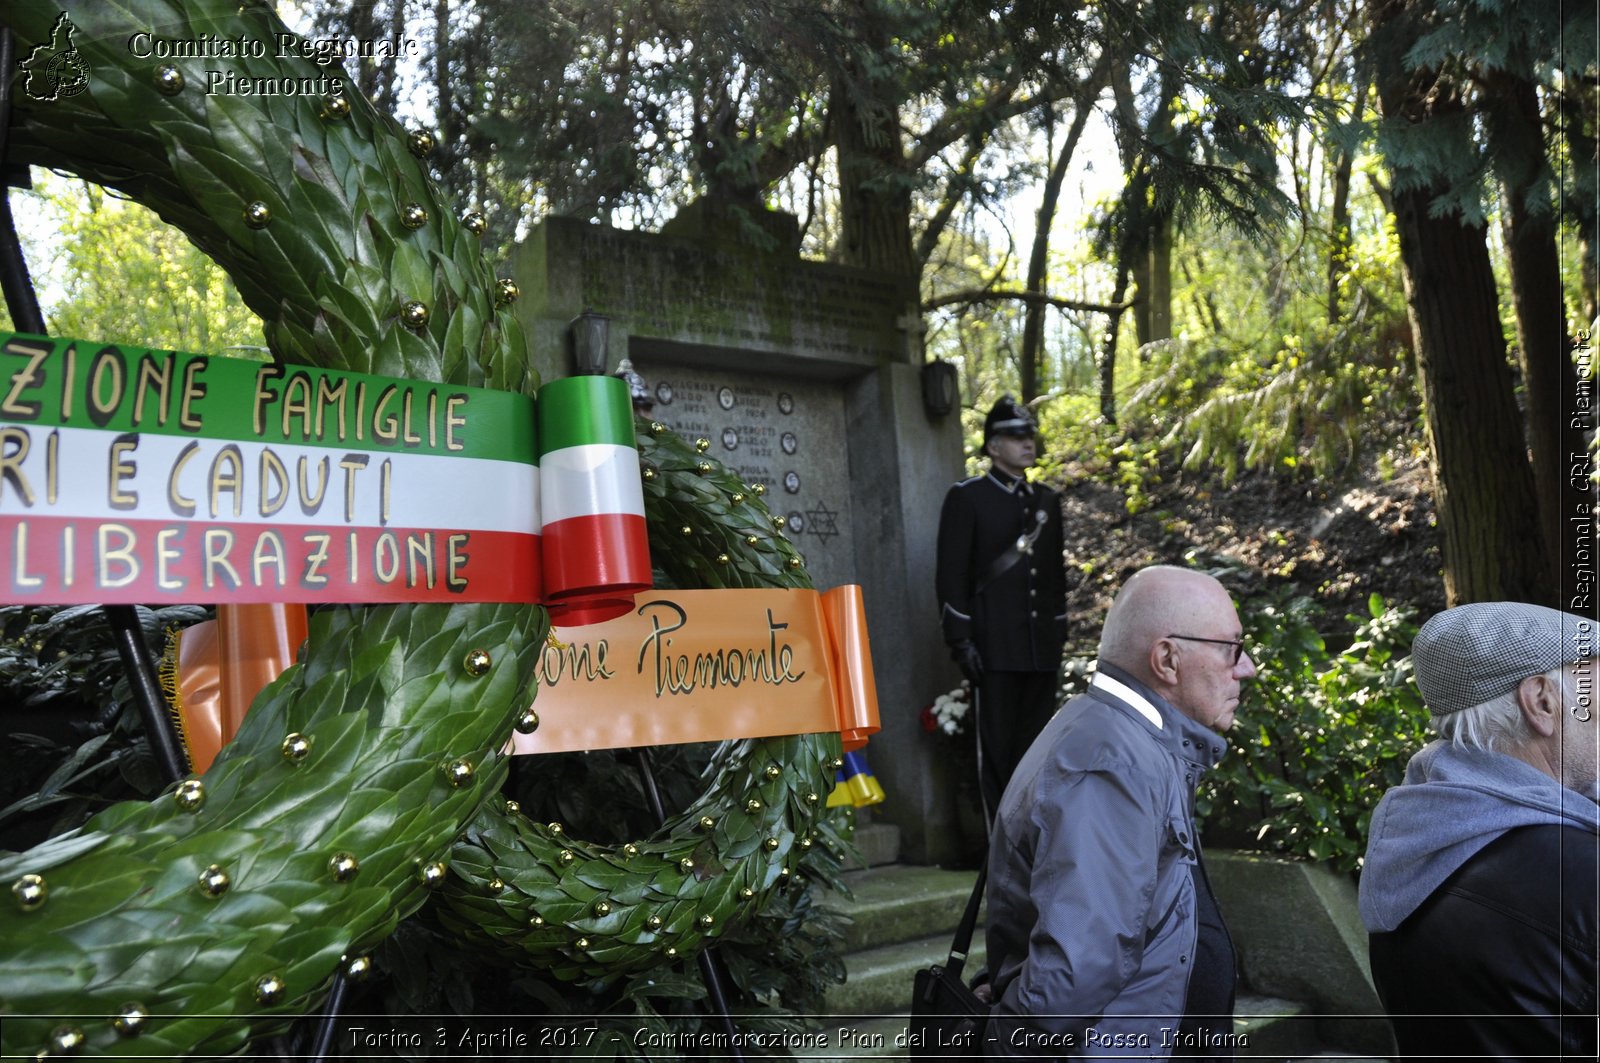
(1091, 922)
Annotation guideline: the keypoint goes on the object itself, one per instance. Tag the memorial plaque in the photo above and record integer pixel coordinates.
(782, 432)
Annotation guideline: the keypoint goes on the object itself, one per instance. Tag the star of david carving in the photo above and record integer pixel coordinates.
(823, 522)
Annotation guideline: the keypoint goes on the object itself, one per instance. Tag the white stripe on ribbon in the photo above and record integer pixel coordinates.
(588, 480)
(425, 490)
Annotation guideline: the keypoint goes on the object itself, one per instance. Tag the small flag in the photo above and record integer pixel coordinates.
(596, 550)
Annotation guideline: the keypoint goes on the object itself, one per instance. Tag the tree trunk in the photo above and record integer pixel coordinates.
(1549, 381)
(874, 191)
(1483, 485)
(1039, 259)
(1159, 298)
(1108, 348)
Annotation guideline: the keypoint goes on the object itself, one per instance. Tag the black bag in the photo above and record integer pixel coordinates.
(947, 1018)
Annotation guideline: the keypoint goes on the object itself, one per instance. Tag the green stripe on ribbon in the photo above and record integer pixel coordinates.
(579, 410)
(114, 388)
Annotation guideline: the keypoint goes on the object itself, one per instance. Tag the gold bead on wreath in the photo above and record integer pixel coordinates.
(656, 428)
(581, 943)
(475, 223)
(129, 1019)
(214, 881)
(773, 771)
(707, 823)
(257, 215)
(527, 722)
(555, 827)
(296, 747)
(759, 490)
(477, 662)
(67, 1040)
(30, 892)
(513, 808)
(536, 921)
(343, 866)
(779, 521)
(737, 498)
(703, 468)
(687, 863)
(630, 850)
(413, 215)
(701, 445)
(270, 989)
(169, 80)
(358, 969)
(655, 922)
(686, 530)
(752, 540)
(752, 806)
(432, 875)
(601, 909)
(771, 845)
(497, 885)
(567, 856)
(190, 795)
(414, 315)
(746, 893)
(421, 142)
(647, 472)
(506, 291)
(335, 107)
(458, 773)
(724, 559)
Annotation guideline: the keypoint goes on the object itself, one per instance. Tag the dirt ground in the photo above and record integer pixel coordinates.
(1337, 541)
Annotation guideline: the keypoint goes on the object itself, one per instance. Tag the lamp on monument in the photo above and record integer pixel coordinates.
(938, 387)
(590, 332)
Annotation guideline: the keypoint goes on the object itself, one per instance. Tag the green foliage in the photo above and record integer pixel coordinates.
(61, 676)
(1317, 741)
(119, 274)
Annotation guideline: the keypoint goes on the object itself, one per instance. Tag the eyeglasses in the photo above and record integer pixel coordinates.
(1237, 644)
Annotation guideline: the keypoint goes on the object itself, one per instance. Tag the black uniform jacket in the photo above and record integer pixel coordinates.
(1018, 619)
(1500, 961)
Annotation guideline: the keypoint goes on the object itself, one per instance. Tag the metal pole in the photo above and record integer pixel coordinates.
(708, 958)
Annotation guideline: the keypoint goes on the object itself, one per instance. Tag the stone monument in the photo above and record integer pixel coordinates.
(805, 377)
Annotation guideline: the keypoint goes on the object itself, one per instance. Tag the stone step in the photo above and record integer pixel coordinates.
(878, 980)
(902, 903)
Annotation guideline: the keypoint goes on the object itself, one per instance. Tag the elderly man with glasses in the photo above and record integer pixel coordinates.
(1103, 934)
(1481, 884)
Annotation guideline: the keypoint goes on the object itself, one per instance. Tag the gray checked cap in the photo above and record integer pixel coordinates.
(1474, 653)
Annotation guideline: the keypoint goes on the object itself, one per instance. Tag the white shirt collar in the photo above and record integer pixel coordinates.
(1119, 689)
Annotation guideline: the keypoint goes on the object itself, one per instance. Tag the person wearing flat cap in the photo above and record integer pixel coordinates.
(1003, 595)
(1480, 889)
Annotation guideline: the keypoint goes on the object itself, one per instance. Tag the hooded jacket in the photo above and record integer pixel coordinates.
(1479, 892)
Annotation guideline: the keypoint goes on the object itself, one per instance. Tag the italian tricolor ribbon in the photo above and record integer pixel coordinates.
(142, 476)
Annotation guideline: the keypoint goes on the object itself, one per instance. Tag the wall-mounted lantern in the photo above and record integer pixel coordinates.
(939, 386)
(590, 334)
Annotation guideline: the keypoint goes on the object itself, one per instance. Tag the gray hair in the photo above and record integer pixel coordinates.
(1495, 726)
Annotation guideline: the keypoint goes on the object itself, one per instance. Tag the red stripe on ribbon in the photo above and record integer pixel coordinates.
(59, 560)
(593, 566)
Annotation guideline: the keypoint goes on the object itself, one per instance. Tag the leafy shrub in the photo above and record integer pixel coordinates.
(1318, 740)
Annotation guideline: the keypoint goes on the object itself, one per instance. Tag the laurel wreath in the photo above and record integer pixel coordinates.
(366, 778)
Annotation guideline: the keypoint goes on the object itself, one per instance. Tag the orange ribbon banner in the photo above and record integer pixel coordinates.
(707, 666)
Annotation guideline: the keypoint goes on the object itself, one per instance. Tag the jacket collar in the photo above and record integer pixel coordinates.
(1181, 735)
(1008, 483)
